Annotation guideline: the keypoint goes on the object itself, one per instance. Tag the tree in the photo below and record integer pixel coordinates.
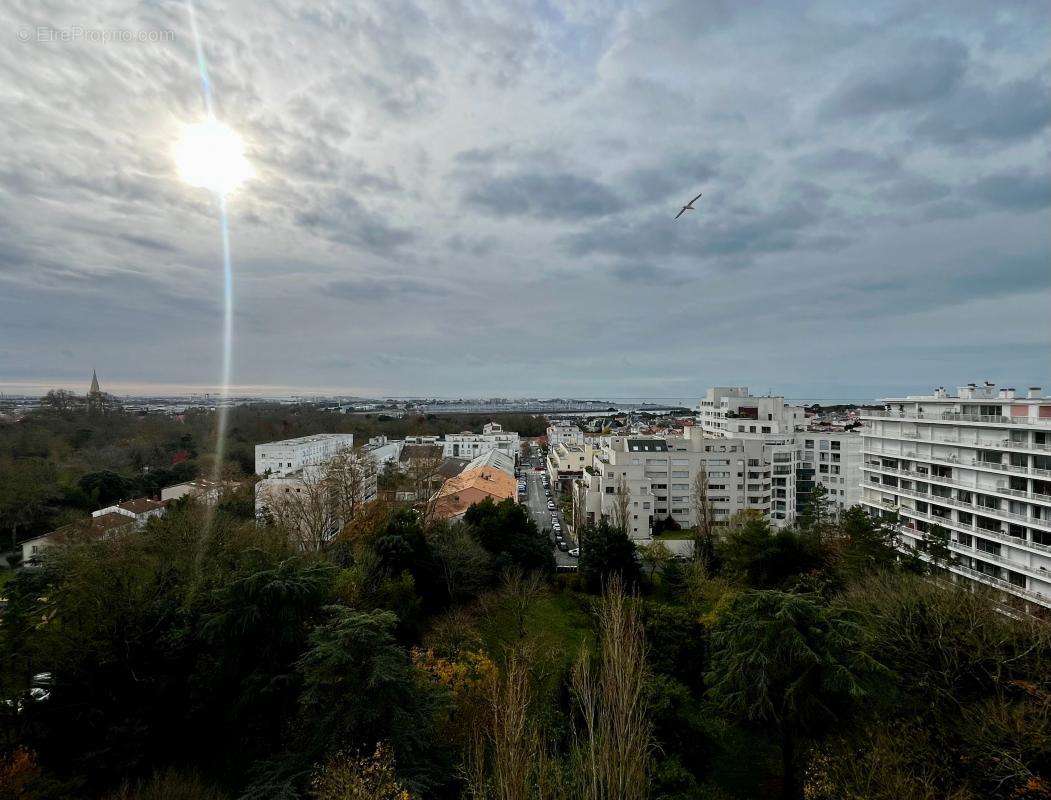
(614, 744)
(704, 517)
(303, 507)
(761, 557)
(579, 505)
(464, 565)
(790, 662)
(359, 689)
(655, 556)
(27, 489)
(936, 540)
(350, 476)
(865, 545)
(621, 512)
(106, 487)
(605, 552)
(963, 712)
(508, 533)
(817, 514)
(347, 777)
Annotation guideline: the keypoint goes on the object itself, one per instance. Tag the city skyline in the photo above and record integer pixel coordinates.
(481, 202)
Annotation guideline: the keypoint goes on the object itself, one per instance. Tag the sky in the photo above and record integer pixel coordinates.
(475, 198)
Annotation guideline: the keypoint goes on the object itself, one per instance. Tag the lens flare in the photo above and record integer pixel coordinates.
(210, 155)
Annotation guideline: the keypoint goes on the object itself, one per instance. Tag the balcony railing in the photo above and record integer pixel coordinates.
(926, 476)
(973, 529)
(999, 583)
(955, 416)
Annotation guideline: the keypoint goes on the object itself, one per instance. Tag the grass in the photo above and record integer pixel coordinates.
(557, 623)
(675, 536)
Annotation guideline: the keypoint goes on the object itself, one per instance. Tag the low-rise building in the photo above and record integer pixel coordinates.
(141, 510)
(104, 526)
(470, 445)
(202, 490)
(473, 486)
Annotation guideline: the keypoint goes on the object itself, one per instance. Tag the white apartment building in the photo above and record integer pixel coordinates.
(472, 445)
(295, 478)
(291, 455)
(659, 476)
(564, 433)
(732, 411)
(978, 464)
(833, 459)
(566, 463)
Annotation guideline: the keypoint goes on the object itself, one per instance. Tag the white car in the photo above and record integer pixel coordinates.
(575, 552)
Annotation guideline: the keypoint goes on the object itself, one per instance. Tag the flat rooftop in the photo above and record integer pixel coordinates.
(317, 437)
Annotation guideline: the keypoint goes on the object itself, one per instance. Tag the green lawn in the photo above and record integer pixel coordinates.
(675, 536)
(556, 623)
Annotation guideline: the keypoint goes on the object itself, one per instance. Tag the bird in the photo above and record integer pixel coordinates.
(689, 206)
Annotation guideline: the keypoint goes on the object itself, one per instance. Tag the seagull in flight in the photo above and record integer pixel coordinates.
(689, 206)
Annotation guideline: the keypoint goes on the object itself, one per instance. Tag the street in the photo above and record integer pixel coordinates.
(537, 505)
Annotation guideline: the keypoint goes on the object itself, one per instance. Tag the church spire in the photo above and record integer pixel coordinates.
(94, 384)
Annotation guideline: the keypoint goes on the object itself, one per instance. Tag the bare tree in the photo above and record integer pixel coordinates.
(351, 478)
(521, 589)
(423, 469)
(704, 519)
(579, 506)
(313, 506)
(303, 508)
(614, 745)
(621, 504)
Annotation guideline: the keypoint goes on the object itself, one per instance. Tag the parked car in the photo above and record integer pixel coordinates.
(562, 545)
(575, 552)
(551, 505)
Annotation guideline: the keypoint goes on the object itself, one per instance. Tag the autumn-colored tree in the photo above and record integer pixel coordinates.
(348, 777)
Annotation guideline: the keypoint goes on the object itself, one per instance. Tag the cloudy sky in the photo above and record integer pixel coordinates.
(476, 196)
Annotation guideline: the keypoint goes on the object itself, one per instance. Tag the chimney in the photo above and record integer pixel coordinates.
(1007, 394)
(1034, 392)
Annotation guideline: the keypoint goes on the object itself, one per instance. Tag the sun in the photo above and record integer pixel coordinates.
(210, 155)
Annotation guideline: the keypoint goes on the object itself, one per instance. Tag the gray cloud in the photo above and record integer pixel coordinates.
(1015, 110)
(454, 198)
(1019, 190)
(927, 71)
(559, 196)
(367, 289)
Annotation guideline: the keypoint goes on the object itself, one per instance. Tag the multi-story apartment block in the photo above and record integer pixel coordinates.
(832, 459)
(299, 487)
(564, 433)
(565, 464)
(659, 476)
(977, 464)
(275, 459)
(471, 445)
(732, 411)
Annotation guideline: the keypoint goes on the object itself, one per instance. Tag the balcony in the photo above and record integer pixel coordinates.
(974, 530)
(953, 416)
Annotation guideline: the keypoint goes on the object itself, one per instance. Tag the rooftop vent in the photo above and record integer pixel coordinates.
(1034, 392)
